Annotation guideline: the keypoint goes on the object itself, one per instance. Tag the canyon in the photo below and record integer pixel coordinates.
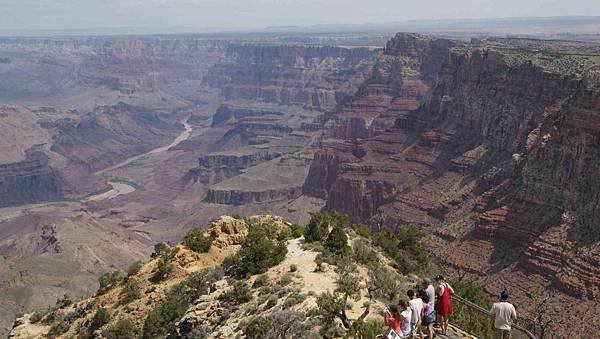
(490, 146)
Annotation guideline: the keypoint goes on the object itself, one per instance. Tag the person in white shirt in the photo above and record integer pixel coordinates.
(503, 314)
(406, 314)
(416, 306)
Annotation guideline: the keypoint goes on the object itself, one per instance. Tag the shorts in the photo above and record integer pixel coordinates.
(501, 334)
(428, 320)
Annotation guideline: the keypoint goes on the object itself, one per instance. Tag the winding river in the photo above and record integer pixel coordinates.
(119, 187)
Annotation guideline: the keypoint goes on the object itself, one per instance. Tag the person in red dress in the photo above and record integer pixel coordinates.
(444, 306)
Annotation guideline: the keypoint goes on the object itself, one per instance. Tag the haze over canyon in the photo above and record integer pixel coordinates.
(488, 142)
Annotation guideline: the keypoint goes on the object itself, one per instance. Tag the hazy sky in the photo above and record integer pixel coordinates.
(221, 14)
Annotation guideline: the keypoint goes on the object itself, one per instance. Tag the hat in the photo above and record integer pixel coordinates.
(438, 277)
(504, 294)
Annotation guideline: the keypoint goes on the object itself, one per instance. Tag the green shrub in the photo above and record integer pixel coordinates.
(261, 280)
(363, 253)
(293, 268)
(134, 268)
(363, 231)
(297, 230)
(163, 265)
(239, 294)
(365, 329)
(293, 299)
(337, 241)
(108, 280)
(196, 241)
(257, 254)
(468, 319)
(160, 249)
(123, 329)
(318, 226)
(272, 301)
(405, 248)
(258, 328)
(161, 318)
(101, 318)
(36, 317)
(285, 279)
(129, 292)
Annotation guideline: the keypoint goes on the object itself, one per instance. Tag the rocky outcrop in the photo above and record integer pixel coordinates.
(239, 197)
(225, 112)
(216, 167)
(29, 181)
(317, 78)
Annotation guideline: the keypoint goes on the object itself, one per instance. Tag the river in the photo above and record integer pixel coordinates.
(119, 187)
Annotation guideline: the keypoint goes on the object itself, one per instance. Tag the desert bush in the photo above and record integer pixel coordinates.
(163, 265)
(365, 329)
(260, 281)
(36, 317)
(293, 268)
(363, 253)
(258, 327)
(239, 294)
(318, 226)
(108, 280)
(129, 292)
(337, 241)
(405, 248)
(134, 268)
(384, 284)
(272, 301)
(161, 318)
(468, 319)
(101, 318)
(257, 254)
(63, 302)
(160, 249)
(123, 329)
(297, 230)
(285, 279)
(196, 241)
(293, 299)
(363, 231)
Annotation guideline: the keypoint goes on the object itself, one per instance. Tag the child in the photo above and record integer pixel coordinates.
(428, 317)
(394, 320)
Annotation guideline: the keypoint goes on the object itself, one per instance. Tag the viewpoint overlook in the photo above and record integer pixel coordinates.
(289, 185)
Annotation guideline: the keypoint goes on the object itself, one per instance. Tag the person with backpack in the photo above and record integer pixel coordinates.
(444, 306)
(503, 314)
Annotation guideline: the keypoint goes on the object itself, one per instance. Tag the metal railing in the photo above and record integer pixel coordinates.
(482, 310)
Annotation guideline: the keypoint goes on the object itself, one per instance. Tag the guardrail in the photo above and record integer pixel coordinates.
(482, 310)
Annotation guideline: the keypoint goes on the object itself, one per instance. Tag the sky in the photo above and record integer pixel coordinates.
(205, 15)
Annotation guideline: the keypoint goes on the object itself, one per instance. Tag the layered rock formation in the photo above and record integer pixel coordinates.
(500, 154)
(314, 77)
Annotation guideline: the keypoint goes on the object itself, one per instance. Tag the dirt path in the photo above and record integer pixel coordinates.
(121, 188)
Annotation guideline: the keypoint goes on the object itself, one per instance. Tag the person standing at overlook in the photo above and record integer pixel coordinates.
(444, 306)
(503, 314)
(429, 290)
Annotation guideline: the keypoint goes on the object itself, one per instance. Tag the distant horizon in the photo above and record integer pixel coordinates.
(310, 28)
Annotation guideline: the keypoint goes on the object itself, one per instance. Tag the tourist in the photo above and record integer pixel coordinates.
(444, 306)
(429, 290)
(393, 319)
(428, 317)
(416, 306)
(503, 314)
(406, 314)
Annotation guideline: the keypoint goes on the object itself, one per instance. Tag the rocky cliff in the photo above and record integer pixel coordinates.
(314, 77)
(499, 153)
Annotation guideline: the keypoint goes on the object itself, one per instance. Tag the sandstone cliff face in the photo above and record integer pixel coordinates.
(503, 150)
(315, 77)
(31, 180)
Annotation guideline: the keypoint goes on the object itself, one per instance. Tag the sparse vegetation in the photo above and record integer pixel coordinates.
(337, 241)
(363, 231)
(163, 265)
(36, 317)
(468, 319)
(108, 280)
(134, 268)
(123, 329)
(363, 253)
(404, 248)
(160, 249)
(260, 281)
(365, 329)
(129, 292)
(239, 294)
(101, 318)
(258, 328)
(293, 268)
(196, 241)
(161, 318)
